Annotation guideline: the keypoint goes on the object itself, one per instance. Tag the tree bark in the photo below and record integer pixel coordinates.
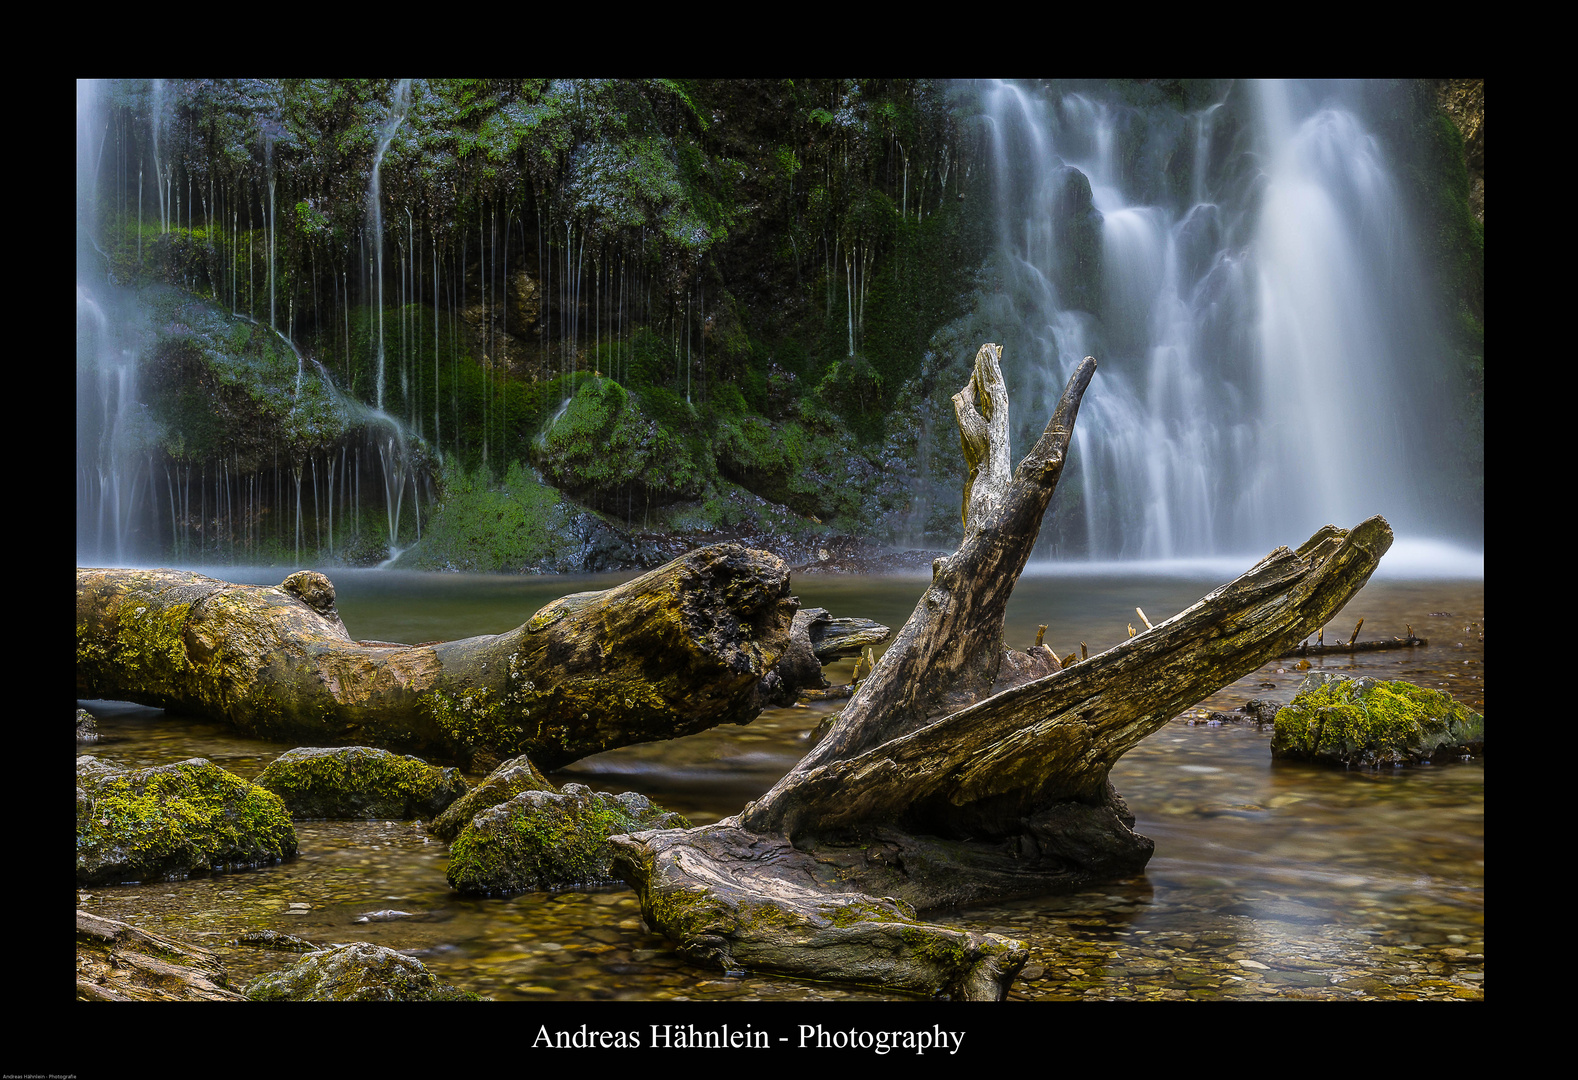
(960, 772)
(695, 643)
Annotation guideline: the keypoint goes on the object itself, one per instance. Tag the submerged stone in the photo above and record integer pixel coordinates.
(360, 782)
(542, 840)
(356, 972)
(502, 784)
(174, 820)
(1340, 720)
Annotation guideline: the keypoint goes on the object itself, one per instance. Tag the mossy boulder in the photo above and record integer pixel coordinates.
(614, 450)
(502, 785)
(360, 782)
(1347, 721)
(169, 821)
(542, 840)
(355, 972)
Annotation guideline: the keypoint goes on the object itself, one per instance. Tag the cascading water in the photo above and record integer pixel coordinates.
(376, 216)
(272, 492)
(113, 473)
(1245, 274)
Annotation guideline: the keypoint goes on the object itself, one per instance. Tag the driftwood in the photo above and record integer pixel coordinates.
(701, 641)
(118, 962)
(1382, 645)
(961, 771)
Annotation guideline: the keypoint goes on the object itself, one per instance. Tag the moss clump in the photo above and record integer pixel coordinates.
(616, 449)
(1372, 723)
(502, 784)
(515, 525)
(360, 782)
(354, 972)
(540, 840)
(174, 820)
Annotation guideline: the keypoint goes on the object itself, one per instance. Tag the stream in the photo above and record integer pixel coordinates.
(1270, 879)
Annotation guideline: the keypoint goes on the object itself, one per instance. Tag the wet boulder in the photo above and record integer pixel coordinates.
(541, 840)
(87, 727)
(502, 784)
(360, 782)
(356, 972)
(169, 821)
(1368, 722)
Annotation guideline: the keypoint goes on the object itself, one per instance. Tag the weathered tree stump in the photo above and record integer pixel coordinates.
(960, 772)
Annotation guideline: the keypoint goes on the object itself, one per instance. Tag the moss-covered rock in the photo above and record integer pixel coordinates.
(360, 782)
(173, 820)
(355, 972)
(502, 785)
(1347, 721)
(612, 449)
(542, 840)
(514, 525)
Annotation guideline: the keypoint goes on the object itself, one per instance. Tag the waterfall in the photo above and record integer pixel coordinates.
(376, 216)
(1245, 275)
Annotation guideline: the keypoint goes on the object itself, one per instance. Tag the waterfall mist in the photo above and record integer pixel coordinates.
(1248, 277)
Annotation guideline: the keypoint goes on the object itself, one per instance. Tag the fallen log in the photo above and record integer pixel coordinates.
(695, 643)
(1379, 645)
(960, 771)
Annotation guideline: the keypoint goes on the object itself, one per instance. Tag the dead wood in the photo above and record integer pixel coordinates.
(952, 776)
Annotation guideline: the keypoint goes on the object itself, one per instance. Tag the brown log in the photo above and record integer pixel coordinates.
(690, 645)
(1379, 645)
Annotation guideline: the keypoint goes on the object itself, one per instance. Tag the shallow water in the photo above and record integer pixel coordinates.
(1270, 880)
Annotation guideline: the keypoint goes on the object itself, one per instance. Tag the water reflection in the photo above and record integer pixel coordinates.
(1270, 880)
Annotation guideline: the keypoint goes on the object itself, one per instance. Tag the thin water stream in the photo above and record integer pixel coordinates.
(1270, 880)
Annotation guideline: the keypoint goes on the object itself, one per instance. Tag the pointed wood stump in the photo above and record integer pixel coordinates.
(955, 777)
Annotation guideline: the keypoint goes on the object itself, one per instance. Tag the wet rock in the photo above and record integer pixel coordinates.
(87, 727)
(542, 840)
(360, 782)
(1346, 721)
(173, 820)
(117, 962)
(1257, 711)
(273, 939)
(354, 972)
(502, 784)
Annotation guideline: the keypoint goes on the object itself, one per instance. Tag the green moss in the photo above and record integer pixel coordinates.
(543, 840)
(483, 526)
(1365, 722)
(173, 820)
(474, 719)
(359, 782)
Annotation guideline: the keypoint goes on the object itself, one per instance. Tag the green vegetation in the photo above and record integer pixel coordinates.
(1366, 722)
(545, 840)
(360, 782)
(174, 820)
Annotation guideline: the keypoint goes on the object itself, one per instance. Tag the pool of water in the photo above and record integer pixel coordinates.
(1270, 879)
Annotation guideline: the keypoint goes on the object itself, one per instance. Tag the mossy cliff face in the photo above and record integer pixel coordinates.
(1367, 722)
(174, 820)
